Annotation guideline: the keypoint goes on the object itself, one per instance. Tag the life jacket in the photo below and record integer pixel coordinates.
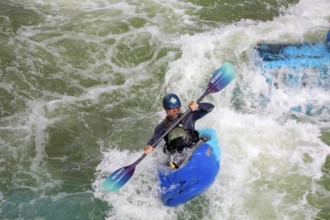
(179, 138)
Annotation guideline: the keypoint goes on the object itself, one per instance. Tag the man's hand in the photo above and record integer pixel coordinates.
(148, 149)
(193, 105)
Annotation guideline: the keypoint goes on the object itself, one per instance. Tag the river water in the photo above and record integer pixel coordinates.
(81, 89)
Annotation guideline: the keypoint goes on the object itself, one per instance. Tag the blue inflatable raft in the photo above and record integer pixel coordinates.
(196, 176)
(295, 59)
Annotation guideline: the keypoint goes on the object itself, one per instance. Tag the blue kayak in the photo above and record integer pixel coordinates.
(194, 177)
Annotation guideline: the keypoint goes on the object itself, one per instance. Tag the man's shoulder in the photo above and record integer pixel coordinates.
(161, 125)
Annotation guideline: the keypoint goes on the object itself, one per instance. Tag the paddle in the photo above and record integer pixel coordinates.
(220, 79)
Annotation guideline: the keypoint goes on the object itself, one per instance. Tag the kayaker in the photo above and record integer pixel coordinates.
(184, 135)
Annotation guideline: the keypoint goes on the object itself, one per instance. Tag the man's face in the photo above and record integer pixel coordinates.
(173, 113)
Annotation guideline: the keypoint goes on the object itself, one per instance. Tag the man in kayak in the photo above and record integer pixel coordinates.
(183, 135)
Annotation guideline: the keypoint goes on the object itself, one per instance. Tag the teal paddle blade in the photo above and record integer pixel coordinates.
(221, 78)
(118, 178)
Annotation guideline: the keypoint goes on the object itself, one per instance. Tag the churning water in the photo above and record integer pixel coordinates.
(80, 93)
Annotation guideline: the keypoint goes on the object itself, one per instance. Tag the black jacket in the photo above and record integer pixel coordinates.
(188, 122)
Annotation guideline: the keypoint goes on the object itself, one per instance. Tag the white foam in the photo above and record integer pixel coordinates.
(269, 160)
(138, 198)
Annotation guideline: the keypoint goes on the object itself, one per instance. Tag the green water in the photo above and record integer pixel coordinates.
(81, 77)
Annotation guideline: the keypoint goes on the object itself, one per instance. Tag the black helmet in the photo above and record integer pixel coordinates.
(171, 101)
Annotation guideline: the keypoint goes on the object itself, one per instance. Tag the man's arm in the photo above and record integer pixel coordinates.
(159, 130)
